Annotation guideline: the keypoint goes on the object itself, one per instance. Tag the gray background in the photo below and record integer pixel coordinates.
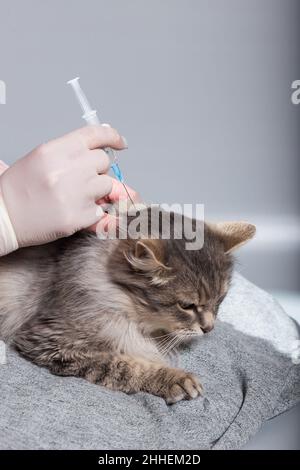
(200, 88)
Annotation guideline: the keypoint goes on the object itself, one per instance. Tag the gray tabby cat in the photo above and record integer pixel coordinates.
(110, 310)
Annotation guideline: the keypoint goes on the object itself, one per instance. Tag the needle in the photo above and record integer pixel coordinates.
(124, 185)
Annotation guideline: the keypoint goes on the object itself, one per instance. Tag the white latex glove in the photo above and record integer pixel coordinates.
(52, 191)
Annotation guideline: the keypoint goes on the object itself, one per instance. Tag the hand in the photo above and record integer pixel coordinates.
(52, 192)
(108, 222)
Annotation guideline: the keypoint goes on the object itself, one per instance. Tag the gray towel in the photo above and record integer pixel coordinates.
(245, 366)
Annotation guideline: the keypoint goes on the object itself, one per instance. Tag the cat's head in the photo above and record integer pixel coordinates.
(174, 289)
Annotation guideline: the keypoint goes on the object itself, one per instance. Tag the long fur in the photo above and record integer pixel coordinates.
(111, 310)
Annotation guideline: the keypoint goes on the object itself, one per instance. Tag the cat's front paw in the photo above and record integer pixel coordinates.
(180, 385)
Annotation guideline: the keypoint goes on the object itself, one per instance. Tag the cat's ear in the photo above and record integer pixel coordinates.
(234, 234)
(148, 257)
(150, 249)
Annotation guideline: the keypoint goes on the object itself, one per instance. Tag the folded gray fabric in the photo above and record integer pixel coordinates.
(245, 366)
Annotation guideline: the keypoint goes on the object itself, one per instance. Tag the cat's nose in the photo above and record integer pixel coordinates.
(206, 328)
(207, 322)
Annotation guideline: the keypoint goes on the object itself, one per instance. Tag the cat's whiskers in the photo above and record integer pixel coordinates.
(164, 341)
(162, 336)
(180, 339)
(190, 333)
(169, 345)
(161, 341)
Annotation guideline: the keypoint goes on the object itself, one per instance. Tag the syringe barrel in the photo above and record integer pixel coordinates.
(91, 118)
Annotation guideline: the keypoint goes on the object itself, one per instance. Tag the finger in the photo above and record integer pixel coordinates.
(107, 226)
(99, 160)
(118, 192)
(92, 217)
(93, 137)
(94, 227)
(100, 187)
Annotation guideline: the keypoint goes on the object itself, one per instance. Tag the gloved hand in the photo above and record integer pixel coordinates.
(52, 192)
(116, 197)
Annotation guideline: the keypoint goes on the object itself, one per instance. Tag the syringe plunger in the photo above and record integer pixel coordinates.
(82, 99)
(91, 118)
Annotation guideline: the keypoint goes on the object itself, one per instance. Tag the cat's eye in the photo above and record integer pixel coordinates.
(187, 306)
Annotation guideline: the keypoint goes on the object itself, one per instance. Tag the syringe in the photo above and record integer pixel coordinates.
(91, 118)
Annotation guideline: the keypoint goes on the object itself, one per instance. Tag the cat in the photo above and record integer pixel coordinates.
(110, 311)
